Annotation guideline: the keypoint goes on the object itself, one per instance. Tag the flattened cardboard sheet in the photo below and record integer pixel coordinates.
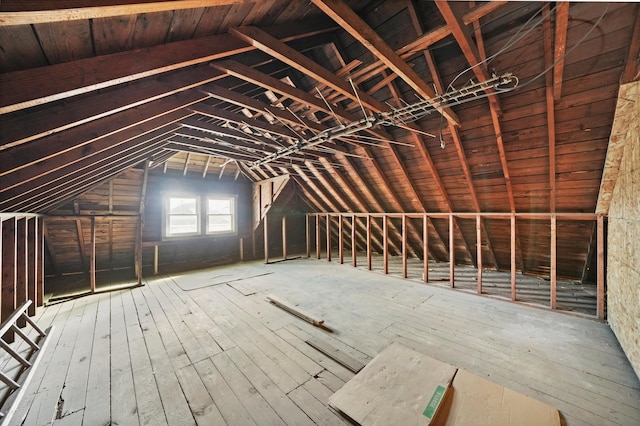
(398, 387)
(474, 401)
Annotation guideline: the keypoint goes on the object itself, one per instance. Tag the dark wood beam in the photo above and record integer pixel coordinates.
(427, 39)
(191, 126)
(471, 53)
(551, 90)
(24, 126)
(9, 271)
(182, 144)
(560, 46)
(244, 101)
(32, 160)
(97, 179)
(361, 31)
(65, 183)
(42, 85)
(32, 264)
(279, 50)
(21, 265)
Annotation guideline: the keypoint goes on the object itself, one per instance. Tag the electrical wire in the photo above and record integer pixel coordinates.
(593, 27)
(507, 45)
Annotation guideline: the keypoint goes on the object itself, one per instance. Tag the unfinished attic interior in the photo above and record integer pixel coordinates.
(237, 212)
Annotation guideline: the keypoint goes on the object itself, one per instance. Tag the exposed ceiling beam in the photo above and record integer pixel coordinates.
(471, 53)
(107, 131)
(251, 75)
(359, 202)
(196, 128)
(43, 84)
(184, 144)
(361, 31)
(78, 180)
(257, 106)
(25, 126)
(186, 164)
(239, 119)
(279, 50)
(95, 180)
(427, 39)
(206, 166)
(348, 205)
(19, 12)
(551, 90)
(282, 52)
(560, 46)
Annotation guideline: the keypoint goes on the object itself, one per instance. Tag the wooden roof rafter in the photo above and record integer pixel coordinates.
(196, 128)
(241, 119)
(279, 50)
(29, 125)
(419, 144)
(93, 180)
(552, 91)
(353, 195)
(471, 53)
(73, 181)
(560, 46)
(94, 73)
(354, 25)
(51, 158)
(342, 201)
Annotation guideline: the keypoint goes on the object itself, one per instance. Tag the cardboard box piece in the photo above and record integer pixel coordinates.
(403, 387)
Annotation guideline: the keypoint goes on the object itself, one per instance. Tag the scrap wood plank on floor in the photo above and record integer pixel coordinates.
(294, 310)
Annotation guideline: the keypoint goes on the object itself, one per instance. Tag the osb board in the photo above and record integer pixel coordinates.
(394, 388)
(626, 112)
(623, 244)
(474, 401)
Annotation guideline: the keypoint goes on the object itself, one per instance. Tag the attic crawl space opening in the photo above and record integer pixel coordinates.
(460, 144)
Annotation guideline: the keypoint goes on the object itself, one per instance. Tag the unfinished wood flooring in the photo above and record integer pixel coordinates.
(223, 354)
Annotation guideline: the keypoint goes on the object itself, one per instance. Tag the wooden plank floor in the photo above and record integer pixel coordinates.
(222, 354)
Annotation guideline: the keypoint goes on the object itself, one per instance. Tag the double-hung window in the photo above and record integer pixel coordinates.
(195, 215)
(182, 216)
(220, 215)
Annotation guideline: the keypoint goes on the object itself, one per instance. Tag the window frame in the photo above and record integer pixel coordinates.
(233, 213)
(167, 216)
(202, 214)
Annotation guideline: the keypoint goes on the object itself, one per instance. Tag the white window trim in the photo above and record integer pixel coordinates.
(202, 206)
(234, 214)
(167, 215)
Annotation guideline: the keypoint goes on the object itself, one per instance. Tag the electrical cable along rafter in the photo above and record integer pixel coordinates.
(399, 117)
